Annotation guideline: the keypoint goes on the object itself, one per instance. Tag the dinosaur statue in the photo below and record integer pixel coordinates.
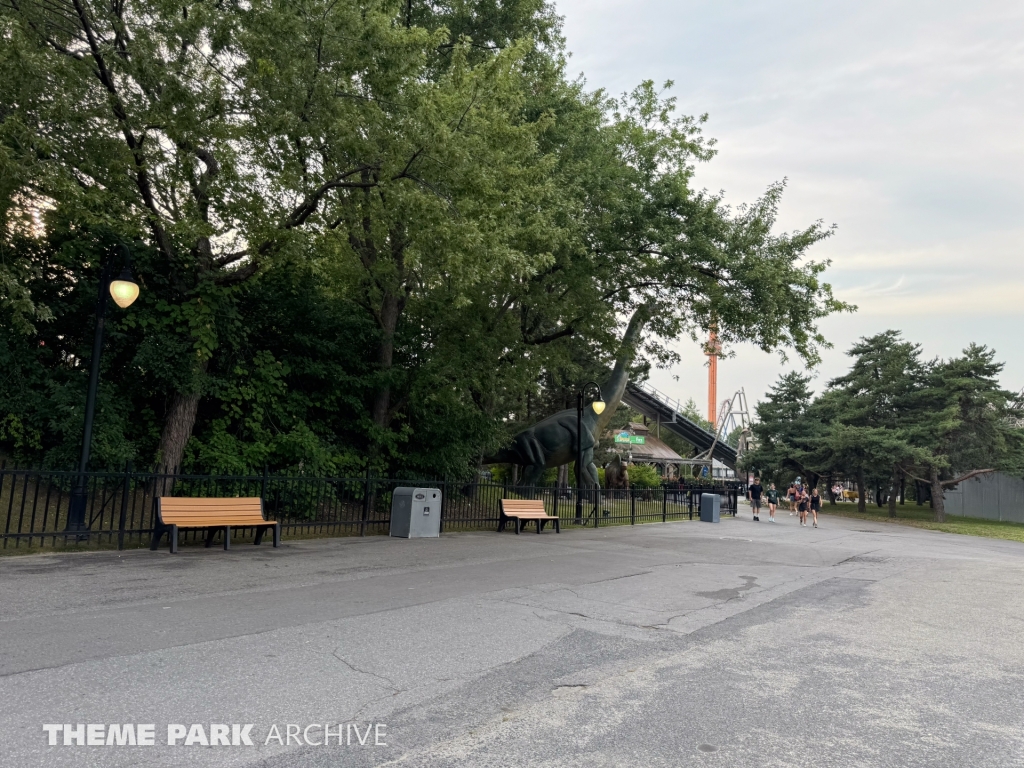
(553, 441)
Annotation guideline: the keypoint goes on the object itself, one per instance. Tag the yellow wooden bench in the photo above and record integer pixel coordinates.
(522, 511)
(174, 512)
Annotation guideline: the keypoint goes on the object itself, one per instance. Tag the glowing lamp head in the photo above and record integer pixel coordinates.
(124, 291)
(598, 407)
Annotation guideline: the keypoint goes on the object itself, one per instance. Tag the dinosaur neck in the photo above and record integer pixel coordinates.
(615, 386)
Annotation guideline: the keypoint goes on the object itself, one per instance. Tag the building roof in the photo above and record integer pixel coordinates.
(653, 450)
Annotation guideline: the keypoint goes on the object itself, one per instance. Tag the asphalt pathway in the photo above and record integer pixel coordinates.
(739, 644)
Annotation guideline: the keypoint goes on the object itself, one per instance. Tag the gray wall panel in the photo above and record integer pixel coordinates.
(994, 496)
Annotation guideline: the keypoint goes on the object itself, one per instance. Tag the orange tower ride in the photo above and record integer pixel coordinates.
(713, 349)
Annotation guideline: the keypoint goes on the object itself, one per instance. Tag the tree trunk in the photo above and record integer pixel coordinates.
(892, 492)
(389, 312)
(181, 418)
(878, 495)
(862, 492)
(938, 502)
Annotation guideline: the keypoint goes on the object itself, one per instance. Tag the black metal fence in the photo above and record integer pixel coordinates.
(121, 506)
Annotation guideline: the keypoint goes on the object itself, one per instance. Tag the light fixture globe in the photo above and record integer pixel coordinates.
(598, 407)
(124, 291)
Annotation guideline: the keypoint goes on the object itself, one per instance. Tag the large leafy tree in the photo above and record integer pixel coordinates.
(381, 232)
(219, 132)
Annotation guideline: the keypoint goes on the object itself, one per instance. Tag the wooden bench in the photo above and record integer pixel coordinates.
(522, 511)
(174, 512)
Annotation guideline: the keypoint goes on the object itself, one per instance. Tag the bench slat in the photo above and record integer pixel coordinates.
(227, 505)
(203, 521)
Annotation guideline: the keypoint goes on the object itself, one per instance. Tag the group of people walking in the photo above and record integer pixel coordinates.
(801, 501)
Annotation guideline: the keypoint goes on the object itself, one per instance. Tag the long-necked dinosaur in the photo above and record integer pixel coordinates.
(553, 441)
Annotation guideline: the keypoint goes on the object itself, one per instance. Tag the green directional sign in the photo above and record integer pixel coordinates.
(624, 437)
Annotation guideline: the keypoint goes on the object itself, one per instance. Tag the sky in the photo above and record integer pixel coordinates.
(900, 122)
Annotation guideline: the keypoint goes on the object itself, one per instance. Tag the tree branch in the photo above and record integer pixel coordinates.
(230, 258)
(948, 483)
(308, 207)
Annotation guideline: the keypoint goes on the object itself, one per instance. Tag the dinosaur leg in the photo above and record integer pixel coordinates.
(534, 455)
(532, 475)
(591, 479)
(592, 470)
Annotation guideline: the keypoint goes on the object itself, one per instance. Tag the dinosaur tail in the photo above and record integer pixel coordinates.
(503, 456)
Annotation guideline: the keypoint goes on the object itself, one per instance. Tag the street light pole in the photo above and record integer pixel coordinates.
(124, 291)
(598, 405)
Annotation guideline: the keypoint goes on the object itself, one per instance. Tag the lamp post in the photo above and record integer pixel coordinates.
(124, 291)
(598, 406)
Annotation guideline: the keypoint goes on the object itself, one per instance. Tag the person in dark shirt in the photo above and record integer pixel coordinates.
(815, 505)
(755, 491)
(773, 502)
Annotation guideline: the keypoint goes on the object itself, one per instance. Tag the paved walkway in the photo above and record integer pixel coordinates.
(741, 644)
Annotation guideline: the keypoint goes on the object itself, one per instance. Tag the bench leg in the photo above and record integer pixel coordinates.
(158, 533)
(277, 535)
(174, 539)
(227, 538)
(519, 524)
(209, 536)
(540, 525)
(502, 519)
(558, 528)
(259, 535)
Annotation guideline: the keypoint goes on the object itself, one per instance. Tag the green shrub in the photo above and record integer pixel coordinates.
(643, 476)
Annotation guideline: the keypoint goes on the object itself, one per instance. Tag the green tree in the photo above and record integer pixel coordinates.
(967, 424)
(785, 430)
(380, 232)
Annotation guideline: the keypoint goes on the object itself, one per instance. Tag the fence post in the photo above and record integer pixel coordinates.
(664, 504)
(366, 503)
(444, 498)
(124, 504)
(632, 506)
(263, 485)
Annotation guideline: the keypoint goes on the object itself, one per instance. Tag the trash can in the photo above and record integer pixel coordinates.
(416, 513)
(710, 507)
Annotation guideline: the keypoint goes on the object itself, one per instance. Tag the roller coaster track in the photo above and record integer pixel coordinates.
(669, 412)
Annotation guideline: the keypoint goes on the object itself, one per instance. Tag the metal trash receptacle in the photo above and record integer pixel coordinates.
(416, 513)
(710, 507)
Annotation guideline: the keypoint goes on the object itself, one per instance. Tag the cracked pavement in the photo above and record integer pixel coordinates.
(660, 645)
